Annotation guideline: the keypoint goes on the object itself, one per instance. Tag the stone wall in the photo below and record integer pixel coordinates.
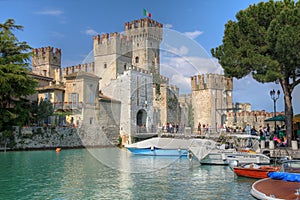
(64, 137)
(239, 120)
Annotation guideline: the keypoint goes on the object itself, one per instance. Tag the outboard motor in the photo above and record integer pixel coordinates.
(232, 164)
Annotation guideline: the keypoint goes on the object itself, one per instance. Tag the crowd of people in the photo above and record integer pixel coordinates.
(171, 128)
(265, 133)
(203, 129)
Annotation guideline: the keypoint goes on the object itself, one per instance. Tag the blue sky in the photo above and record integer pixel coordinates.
(70, 26)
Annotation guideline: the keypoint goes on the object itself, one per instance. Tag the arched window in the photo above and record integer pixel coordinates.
(137, 59)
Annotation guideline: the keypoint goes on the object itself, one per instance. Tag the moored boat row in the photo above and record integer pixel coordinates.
(248, 163)
(206, 151)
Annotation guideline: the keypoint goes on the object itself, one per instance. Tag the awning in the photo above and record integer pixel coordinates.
(280, 118)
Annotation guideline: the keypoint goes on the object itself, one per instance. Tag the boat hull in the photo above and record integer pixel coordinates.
(240, 157)
(165, 146)
(274, 189)
(259, 173)
(158, 152)
(214, 159)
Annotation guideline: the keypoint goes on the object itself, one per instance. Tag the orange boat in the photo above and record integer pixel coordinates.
(255, 171)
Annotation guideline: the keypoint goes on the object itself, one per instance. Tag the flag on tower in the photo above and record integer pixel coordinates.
(146, 13)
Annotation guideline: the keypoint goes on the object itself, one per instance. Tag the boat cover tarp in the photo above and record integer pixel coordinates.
(285, 176)
(201, 148)
(170, 143)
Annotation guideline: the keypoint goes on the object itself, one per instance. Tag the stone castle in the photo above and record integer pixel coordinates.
(122, 92)
(122, 89)
(211, 99)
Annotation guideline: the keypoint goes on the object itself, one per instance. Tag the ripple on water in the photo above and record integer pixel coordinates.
(113, 174)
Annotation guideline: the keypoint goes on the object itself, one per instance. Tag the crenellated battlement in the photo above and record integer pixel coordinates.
(256, 113)
(43, 50)
(134, 68)
(107, 37)
(211, 81)
(144, 28)
(46, 56)
(87, 67)
(164, 78)
(142, 23)
(46, 61)
(111, 43)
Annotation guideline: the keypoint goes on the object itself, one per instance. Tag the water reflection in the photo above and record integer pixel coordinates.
(76, 174)
(122, 160)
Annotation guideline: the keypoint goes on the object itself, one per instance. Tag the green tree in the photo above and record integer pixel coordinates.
(15, 83)
(265, 42)
(44, 110)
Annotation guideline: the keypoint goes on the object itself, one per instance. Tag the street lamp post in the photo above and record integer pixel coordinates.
(274, 97)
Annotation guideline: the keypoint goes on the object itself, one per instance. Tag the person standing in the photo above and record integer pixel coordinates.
(248, 129)
(199, 128)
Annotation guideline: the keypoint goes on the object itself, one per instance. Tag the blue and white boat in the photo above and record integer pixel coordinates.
(163, 146)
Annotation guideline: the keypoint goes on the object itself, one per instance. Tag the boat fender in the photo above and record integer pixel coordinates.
(223, 156)
(190, 155)
(152, 148)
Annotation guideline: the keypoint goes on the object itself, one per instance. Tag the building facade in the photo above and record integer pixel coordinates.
(211, 98)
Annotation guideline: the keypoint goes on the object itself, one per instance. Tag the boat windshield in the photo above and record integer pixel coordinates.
(292, 166)
(239, 141)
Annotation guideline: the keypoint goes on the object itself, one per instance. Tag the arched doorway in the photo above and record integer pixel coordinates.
(141, 117)
(223, 119)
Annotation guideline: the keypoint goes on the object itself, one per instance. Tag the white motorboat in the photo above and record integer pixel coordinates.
(239, 152)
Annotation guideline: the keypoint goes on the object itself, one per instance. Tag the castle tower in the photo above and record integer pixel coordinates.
(211, 98)
(146, 36)
(46, 61)
(112, 56)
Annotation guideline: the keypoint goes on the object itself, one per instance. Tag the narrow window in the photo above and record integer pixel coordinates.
(137, 59)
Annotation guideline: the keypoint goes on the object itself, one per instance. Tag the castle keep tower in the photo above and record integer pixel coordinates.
(46, 61)
(112, 56)
(114, 53)
(146, 36)
(211, 98)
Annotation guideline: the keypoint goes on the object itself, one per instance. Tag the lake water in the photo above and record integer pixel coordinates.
(112, 173)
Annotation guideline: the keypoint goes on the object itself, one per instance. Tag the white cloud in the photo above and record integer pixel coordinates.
(91, 32)
(168, 26)
(192, 65)
(193, 35)
(180, 69)
(181, 51)
(50, 12)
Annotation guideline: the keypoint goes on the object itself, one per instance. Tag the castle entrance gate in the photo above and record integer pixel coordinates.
(141, 117)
